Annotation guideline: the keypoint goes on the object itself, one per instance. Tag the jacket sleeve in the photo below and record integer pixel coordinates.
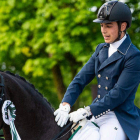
(126, 85)
(85, 76)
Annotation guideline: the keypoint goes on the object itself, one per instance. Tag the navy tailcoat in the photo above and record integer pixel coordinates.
(118, 79)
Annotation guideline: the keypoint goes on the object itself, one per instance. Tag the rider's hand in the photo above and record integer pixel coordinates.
(80, 114)
(62, 115)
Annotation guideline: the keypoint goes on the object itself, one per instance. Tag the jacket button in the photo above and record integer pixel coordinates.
(99, 96)
(106, 88)
(99, 86)
(104, 113)
(99, 75)
(106, 78)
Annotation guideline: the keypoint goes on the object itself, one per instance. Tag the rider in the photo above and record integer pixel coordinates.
(115, 63)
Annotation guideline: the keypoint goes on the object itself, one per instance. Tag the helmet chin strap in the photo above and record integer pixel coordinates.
(119, 37)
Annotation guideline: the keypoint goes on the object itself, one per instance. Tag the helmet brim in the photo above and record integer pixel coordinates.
(102, 21)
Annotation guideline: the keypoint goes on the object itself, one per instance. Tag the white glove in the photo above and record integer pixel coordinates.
(62, 115)
(80, 114)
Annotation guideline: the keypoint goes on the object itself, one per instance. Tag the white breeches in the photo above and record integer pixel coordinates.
(89, 132)
(110, 129)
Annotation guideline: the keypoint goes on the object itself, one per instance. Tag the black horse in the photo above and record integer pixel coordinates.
(34, 114)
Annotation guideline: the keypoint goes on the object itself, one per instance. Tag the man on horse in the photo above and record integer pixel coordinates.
(115, 63)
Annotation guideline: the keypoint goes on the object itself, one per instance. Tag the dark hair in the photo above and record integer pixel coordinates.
(119, 25)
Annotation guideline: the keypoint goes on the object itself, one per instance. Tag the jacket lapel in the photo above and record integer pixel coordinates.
(121, 51)
(111, 59)
(96, 63)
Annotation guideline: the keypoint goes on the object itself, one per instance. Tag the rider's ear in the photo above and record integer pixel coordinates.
(123, 26)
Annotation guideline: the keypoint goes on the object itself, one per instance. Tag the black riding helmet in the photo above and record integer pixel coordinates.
(114, 11)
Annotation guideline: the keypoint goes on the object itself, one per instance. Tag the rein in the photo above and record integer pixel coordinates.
(58, 136)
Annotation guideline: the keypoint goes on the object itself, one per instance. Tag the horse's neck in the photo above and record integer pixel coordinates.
(34, 115)
(6, 131)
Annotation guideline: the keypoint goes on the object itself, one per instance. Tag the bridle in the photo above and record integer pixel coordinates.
(2, 90)
(1, 96)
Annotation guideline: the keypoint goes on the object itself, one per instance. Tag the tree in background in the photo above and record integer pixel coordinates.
(48, 42)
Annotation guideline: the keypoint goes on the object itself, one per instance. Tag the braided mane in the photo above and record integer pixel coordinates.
(23, 79)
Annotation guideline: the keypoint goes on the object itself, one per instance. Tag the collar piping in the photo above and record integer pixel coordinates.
(126, 50)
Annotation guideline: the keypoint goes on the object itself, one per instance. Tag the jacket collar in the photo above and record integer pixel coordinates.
(123, 48)
(104, 45)
(121, 51)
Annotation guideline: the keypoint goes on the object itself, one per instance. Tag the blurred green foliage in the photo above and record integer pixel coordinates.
(48, 42)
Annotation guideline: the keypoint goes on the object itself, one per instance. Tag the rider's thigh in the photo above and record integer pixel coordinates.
(112, 132)
(89, 132)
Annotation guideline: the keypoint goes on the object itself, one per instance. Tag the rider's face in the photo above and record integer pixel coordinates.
(109, 31)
